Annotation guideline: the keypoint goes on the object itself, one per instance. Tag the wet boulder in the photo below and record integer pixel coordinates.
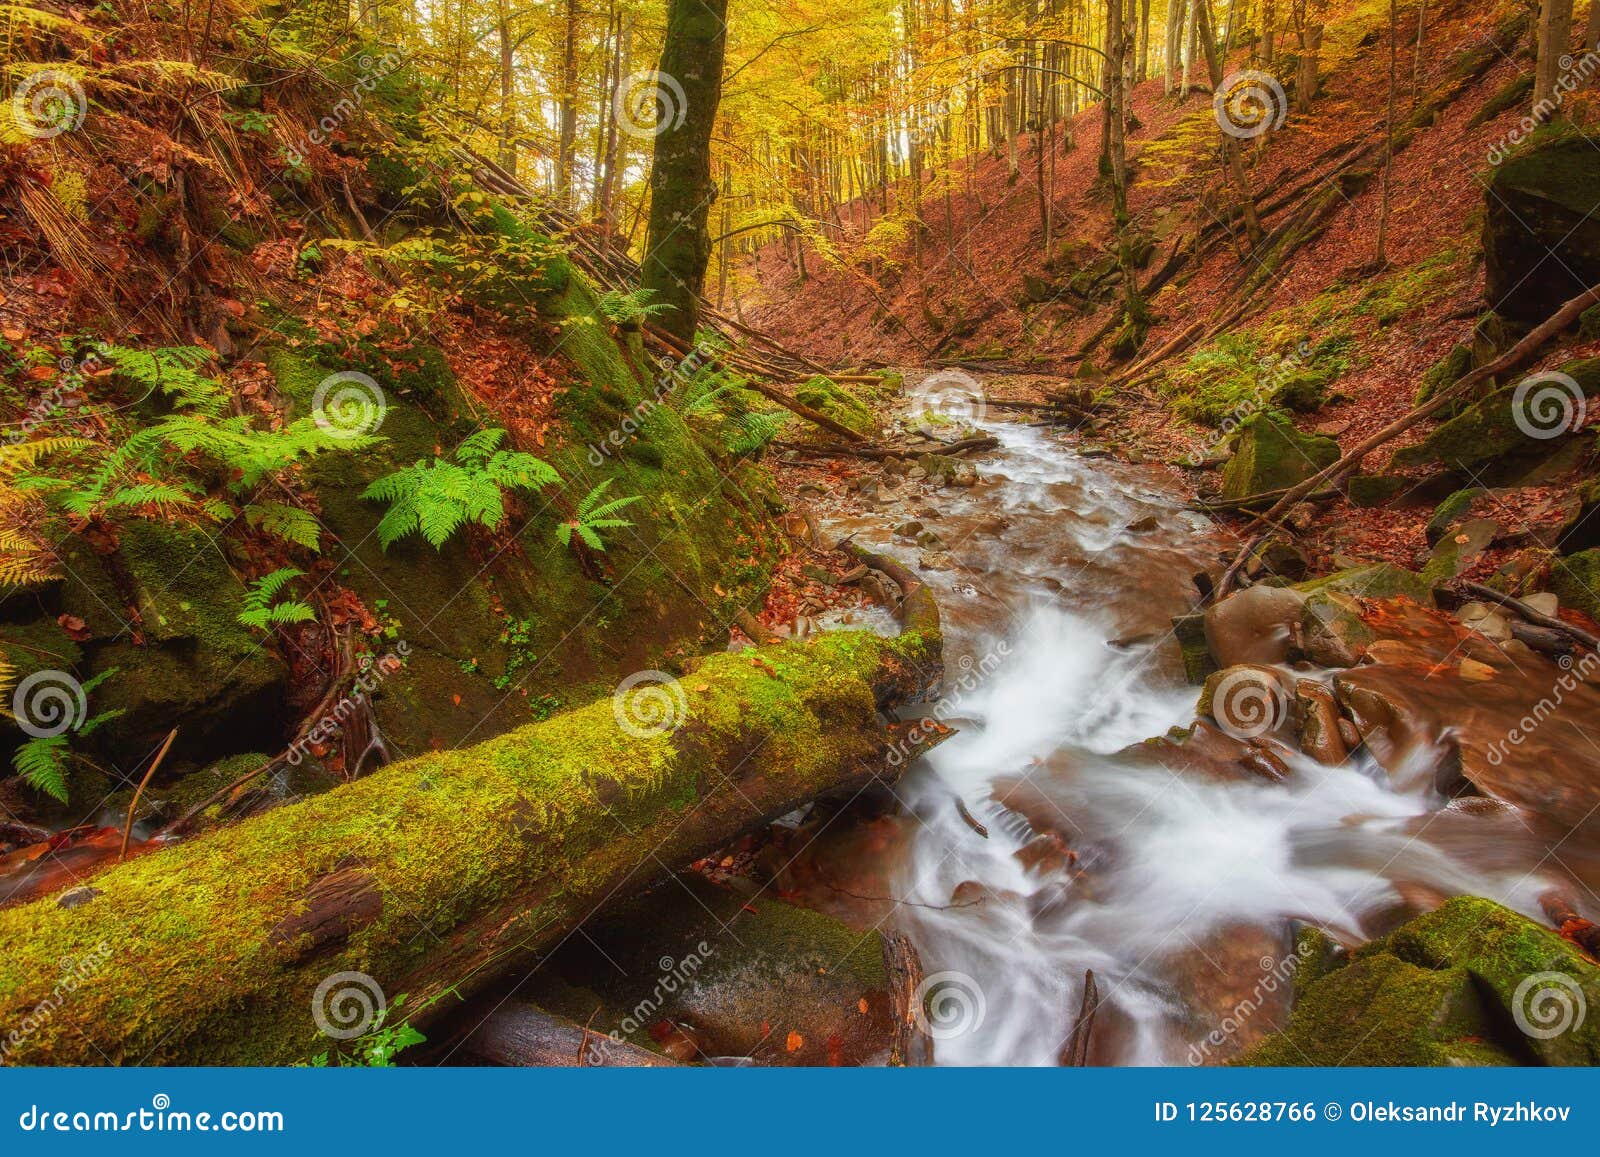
(1270, 454)
(752, 978)
(1253, 625)
(1541, 234)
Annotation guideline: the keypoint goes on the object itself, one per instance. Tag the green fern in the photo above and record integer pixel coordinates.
(289, 523)
(593, 516)
(261, 612)
(175, 371)
(438, 498)
(42, 763)
(630, 309)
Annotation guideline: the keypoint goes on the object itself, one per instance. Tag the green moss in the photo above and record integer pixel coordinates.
(1375, 489)
(1377, 581)
(520, 835)
(1488, 433)
(1449, 512)
(1511, 95)
(1445, 372)
(1272, 455)
(1459, 985)
(829, 398)
(1575, 578)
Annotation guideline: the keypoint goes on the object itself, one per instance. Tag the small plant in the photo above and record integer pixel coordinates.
(261, 612)
(593, 516)
(44, 761)
(377, 1047)
(438, 498)
(630, 310)
(24, 559)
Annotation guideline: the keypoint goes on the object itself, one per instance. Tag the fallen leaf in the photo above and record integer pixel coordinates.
(794, 1042)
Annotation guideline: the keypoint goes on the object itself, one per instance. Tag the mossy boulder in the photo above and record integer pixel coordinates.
(1493, 435)
(1469, 983)
(1575, 578)
(1450, 512)
(1375, 489)
(1541, 234)
(1445, 372)
(1270, 454)
(1379, 580)
(161, 608)
(832, 400)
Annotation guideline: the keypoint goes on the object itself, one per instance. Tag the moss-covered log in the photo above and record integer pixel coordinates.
(446, 870)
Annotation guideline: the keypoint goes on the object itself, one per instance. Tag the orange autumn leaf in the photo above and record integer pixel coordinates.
(794, 1042)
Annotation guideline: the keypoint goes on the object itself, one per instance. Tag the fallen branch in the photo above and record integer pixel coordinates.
(1511, 359)
(127, 828)
(1490, 595)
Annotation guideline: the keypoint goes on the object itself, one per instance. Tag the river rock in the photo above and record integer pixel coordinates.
(1332, 631)
(1575, 578)
(1459, 549)
(1253, 625)
(1247, 700)
(1470, 983)
(743, 977)
(1320, 737)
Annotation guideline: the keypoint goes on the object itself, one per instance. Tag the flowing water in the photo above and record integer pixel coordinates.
(1178, 884)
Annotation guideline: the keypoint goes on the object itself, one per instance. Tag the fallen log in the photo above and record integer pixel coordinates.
(523, 1035)
(438, 874)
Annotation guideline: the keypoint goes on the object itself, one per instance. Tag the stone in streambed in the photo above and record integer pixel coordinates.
(1252, 625)
(1468, 983)
(1320, 737)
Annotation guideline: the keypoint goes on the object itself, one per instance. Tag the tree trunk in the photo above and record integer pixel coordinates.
(1555, 33)
(436, 875)
(677, 247)
(508, 92)
(567, 109)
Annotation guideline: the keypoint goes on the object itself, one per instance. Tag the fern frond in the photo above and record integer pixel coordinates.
(42, 763)
(289, 523)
